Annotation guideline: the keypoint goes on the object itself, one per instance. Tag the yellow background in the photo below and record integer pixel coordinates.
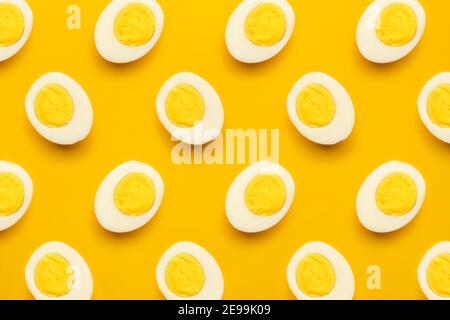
(126, 127)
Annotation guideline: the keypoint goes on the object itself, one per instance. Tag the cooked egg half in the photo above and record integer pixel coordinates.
(434, 106)
(317, 271)
(390, 197)
(259, 197)
(128, 29)
(186, 271)
(190, 109)
(321, 109)
(16, 191)
(128, 197)
(259, 29)
(434, 272)
(390, 29)
(16, 22)
(59, 109)
(55, 271)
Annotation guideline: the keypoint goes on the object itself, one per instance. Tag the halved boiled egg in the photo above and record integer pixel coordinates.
(55, 271)
(186, 271)
(434, 106)
(128, 197)
(259, 197)
(434, 272)
(390, 197)
(318, 271)
(190, 109)
(321, 109)
(16, 191)
(16, 22)
(259, 29)
(390, 29)
(59, 109)
(128, 29)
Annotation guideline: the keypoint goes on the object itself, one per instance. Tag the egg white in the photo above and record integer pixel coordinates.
(83, 284)
(437, 249)
(441, 133)
(214, 284)
(109, 47)
(206, 130)
(9, 51)
(342, 124)
(239, 215)
(344, 287)
(371, 47)
(368, 212)
(107, 213)
(240, 47)
(8, 167)
(81, 122)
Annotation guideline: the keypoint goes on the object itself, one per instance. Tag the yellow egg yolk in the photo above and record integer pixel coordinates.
(134, 25)
(396, 195)
(12, 194)
(185, 106)
(438, 275)
(265, 25)
(397, 25)
(54, 106)
(53, 275)
(184, 275)
(438, 106)
(315, 276)
(134, 194)
(12, 24)
(316, 107)
(265, 195)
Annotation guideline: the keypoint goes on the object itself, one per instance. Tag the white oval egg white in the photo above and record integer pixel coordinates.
(371, 46)
(240, 47)
(344, 287)
(342, 124)
(109, 47)
(437, 249)
(9, 51)
(206, 130)
(8, 167)
(108, 215)
(214, 284)
(83, 284)
(368, 212)
(441, 133)
(78, 127)
(236, 209)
